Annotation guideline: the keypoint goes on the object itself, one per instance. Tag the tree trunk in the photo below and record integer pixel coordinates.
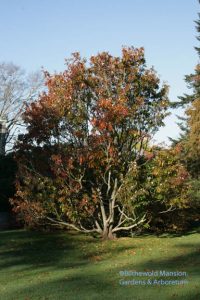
(107, 233)
(2, 142)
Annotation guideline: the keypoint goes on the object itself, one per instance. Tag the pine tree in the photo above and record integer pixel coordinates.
(192, 142)
(191, 80)
(189, 139)
(189, 102)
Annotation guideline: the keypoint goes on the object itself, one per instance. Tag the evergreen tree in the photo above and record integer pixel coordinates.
(191, 80)
(192, 143)
(186, 101)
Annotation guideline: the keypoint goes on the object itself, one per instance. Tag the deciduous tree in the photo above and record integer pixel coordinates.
(85, 137)
(16, 87)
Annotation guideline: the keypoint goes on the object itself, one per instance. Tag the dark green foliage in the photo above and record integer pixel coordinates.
(193, 84)
(8, 170)
(190, 80)
(189, 141)
(194, 192)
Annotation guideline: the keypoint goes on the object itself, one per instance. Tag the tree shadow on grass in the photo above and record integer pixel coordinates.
(25, 250)
(31, 248)
(65, 271)
(166, 234)
(188, 262)
(101, 285)
(33, 262)
(179, 234)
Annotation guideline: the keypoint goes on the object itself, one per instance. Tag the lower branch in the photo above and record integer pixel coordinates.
(168, 210)
(131, 226)
(69, 225)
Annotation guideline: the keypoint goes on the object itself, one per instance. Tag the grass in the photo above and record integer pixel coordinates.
(60, 265)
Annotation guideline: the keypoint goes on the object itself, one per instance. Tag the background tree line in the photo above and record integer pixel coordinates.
(16, 88)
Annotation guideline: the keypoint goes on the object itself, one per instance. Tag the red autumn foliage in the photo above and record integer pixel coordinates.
(94, 122)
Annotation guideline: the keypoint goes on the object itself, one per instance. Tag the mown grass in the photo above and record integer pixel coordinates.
(62, 265)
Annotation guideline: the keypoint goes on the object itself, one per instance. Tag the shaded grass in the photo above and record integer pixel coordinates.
(62, 265)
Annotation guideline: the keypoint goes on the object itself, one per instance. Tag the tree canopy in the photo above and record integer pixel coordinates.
(16, 88)
(86, 142)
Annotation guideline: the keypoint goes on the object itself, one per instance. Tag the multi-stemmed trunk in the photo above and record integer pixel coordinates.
(107, 233)
(109, 222)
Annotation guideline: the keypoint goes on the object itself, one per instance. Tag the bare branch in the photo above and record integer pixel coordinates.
(69, 225)
(131, 226)
(16, 87)
(171, 208)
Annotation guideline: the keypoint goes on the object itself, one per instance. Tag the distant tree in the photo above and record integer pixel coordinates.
(193, 111)
(189, 124)
(84, 137)
(191, 80)
(16, 88)
(193, 142)
(190, 137)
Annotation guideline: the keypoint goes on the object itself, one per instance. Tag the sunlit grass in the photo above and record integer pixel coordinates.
(64, 265)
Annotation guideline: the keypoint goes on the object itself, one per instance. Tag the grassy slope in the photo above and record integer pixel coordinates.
(72, 266)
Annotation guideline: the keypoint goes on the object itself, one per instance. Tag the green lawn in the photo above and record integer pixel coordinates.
(72, 266)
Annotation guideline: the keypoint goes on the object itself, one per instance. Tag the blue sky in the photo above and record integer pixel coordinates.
(36, 33)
